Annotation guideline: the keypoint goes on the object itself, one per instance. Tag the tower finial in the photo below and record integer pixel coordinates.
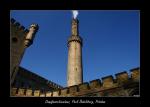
(75, 13)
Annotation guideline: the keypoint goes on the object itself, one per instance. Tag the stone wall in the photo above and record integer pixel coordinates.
(123, 85)
(17, 34)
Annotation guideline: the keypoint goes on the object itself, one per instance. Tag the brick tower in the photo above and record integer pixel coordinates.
(75, 73)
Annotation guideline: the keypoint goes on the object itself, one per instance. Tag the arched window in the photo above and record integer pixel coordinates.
(14, 40)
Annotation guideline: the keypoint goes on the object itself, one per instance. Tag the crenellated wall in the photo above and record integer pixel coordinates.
(17, 34)
(19, 28)
(20, 39)
(123, 85)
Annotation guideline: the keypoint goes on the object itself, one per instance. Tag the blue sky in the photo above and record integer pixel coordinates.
(111, 42)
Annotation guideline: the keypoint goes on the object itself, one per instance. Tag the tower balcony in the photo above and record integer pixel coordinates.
(75, 38)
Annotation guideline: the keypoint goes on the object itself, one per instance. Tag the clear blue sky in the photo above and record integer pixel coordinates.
(111, 42)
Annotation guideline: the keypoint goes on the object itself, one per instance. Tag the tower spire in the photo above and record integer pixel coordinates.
(75, 30)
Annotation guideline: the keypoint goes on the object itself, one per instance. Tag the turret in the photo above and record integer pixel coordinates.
(31, 34)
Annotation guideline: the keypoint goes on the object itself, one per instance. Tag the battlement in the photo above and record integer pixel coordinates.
(18, 26)
(87, 88)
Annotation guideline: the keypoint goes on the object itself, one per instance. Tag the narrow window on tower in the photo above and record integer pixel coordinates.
(76, 68)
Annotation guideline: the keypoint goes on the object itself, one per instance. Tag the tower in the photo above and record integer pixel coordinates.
(75, 71)
(21, 38)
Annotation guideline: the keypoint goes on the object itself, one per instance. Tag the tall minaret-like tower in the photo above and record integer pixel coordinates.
(75, 72)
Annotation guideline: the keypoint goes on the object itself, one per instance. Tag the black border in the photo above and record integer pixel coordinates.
(65, 5)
